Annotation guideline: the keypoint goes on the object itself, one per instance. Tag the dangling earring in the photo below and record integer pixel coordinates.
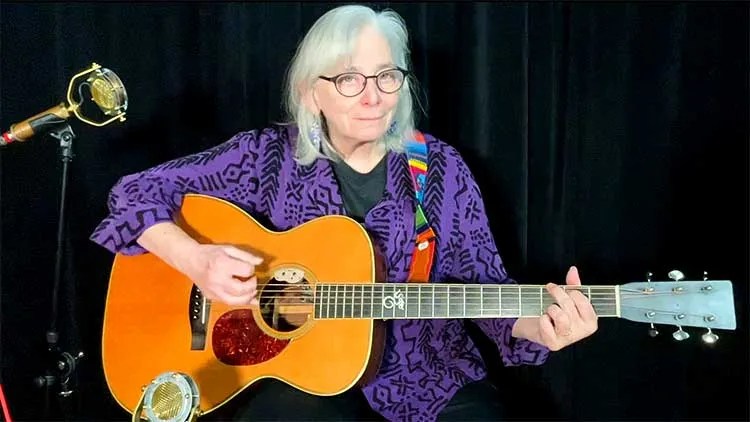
(392, 128)
(315, 134)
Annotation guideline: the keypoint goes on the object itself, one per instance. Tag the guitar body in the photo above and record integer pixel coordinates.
(156, 320)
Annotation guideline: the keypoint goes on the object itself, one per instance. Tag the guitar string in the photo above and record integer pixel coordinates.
(402, 314)
(468, 289)
(444, 295)
(368, 300)
(435, 287)
(441, 296)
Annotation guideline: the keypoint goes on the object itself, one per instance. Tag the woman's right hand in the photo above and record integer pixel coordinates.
(223, 273)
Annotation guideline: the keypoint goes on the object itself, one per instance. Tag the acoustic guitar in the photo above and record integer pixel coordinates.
(319, 323)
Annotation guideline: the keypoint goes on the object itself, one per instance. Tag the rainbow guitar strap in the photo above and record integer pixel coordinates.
(424, 248)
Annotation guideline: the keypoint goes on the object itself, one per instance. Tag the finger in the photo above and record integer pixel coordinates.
(243, 255)
(237, 267)
(583, 305)
(560, 320)
(546, 330)
(561, 298)
(573, 278)
(235, 289)
(240, 288)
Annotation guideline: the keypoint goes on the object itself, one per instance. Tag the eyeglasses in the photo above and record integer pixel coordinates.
(351, 84)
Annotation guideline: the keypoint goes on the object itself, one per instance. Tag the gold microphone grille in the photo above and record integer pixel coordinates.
(108, 92)
(104, 94)
(167, 400)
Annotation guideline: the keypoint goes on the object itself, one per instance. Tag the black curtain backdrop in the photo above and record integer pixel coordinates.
(612, 136)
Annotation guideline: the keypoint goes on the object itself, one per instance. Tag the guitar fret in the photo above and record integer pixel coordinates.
(541, 302)
(520, 309)
(384, 299)
(440, 308)
(393, 303)
(464, 311)
(500, 300)
(320, 297)
(419, 303)
(343, 301)
(362, 301)
(527, 301)
(328, 302)
(457, 309)
(489, 303)
(406, 301)
(336, 302)
(481, 301)
(433, 301)
(448, 302)
(507, 293)
(378, 288)
(343, 304)
(316, 301)
(474, 301)
(363, 309)
(351, 299)
(371, 300)
(542, 306)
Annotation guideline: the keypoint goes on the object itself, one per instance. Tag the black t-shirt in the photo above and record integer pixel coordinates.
(360, 191)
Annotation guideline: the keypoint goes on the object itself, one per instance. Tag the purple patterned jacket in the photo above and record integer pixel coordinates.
(425, 361)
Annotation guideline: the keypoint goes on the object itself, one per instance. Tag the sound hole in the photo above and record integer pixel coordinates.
(286, 300)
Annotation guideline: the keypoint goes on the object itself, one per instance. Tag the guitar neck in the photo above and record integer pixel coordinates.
(439, 300)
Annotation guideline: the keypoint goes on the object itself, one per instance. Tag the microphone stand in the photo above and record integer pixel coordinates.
(60, 365)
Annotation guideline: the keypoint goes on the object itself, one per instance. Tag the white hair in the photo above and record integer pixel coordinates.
(332, 37)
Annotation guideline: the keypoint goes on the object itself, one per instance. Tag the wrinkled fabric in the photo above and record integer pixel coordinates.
(426, 361)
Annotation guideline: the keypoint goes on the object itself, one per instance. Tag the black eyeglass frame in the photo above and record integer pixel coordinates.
(334, 78)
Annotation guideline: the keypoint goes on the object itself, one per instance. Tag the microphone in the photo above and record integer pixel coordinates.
(23, 131)
(107, 92)
(170, 397)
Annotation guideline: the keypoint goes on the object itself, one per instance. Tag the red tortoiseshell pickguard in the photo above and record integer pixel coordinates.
(237, 340)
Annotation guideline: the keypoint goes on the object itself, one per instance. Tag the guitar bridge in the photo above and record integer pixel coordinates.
(198, 310)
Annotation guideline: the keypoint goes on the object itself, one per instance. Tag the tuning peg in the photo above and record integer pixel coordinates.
(676, 275)
(705, 275)
(680, 335)
(653, 332)
(649, 289)
(710, 337)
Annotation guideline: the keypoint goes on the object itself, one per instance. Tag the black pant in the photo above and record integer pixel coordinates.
(276, 401)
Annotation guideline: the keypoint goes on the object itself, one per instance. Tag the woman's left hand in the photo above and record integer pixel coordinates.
(570, 319)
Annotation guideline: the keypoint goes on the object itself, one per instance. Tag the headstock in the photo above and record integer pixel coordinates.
(689, 303)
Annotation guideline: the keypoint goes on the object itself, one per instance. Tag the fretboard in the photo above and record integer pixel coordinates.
(438, 300)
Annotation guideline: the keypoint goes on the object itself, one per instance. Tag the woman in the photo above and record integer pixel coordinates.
(350, 109)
